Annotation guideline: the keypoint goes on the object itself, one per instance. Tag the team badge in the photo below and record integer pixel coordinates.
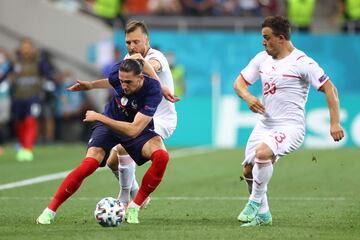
(134, 105)
(124, 101)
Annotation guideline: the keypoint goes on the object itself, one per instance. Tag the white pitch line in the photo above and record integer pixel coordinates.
(191, 198)
(185, 152)
(35, 180)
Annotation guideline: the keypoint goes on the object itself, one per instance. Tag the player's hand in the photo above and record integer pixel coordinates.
(91, 116)
(255, 105)
(169, 96)
(80, 86)
(136, 56)
(336, 132)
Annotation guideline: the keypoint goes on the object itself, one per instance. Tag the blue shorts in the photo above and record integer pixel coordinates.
(106, 139)
(22, 108)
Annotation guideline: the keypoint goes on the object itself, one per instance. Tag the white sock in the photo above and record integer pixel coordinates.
(126, 177)
(134, 188)
(262, 172)
(264, 207)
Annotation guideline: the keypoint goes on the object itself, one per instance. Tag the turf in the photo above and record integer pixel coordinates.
(200, 198)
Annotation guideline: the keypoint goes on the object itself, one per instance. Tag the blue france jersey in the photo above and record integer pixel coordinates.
(124, 107)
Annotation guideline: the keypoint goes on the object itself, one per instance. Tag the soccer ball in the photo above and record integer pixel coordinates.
(109, 212)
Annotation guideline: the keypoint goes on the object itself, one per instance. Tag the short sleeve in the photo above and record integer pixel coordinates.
(313, 73)
(152, 99)
(251, 73)
(158, 56)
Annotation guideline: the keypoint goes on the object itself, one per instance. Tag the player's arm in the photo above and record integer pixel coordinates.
(332, 98)
(88, 85)
(165, 90)
(242, 91)
(150, 70)
(156, 65)
(131, 130)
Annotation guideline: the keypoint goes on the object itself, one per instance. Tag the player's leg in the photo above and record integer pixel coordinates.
(264, 216)
(154, 150)
(72, 183)
(164, 127)
(126, 169)
(112, 162)
(25, 113)
(259, 133)
(99, 146)
(29, 138)
(123, 167)
(130, 186)
(247, 175)
(280, 141)
(261, 172)
(135, 188)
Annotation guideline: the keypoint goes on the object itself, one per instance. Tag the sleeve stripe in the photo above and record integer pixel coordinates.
(246, 81)
(300, 57)
(291, 76)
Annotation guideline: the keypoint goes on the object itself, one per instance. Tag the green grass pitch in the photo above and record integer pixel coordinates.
(199, 198)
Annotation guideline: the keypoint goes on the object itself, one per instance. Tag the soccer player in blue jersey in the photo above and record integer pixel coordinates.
(127, 119)
(165, 118)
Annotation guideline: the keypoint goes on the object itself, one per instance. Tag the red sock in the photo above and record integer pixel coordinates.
(153, 176)
(19, 130)
(30, 132)
(73, 181)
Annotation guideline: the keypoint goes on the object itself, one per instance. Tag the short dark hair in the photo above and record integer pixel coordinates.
(279, 25)
(132, 25)
(132, 65)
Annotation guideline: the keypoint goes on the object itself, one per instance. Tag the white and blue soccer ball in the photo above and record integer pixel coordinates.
(109, 212)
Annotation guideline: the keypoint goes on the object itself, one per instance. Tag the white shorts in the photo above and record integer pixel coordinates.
(164, 127)
(282, 140)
